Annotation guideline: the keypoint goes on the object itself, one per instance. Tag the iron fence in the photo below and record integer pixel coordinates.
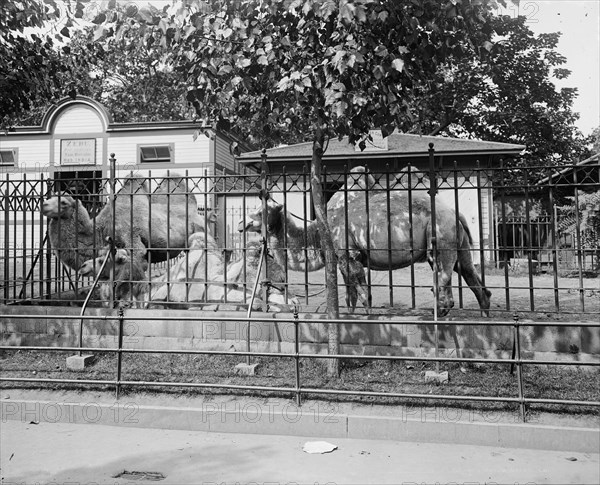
(528, 237)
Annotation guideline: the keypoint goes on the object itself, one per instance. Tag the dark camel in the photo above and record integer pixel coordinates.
(361, 238)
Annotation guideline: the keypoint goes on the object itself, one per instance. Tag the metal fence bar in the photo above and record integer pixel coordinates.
(283, 318)
(434, 249)
(399, 358)
(297, 356)
(119, 353)
(389, 235)
(554, 241)
(519, 367)
(305, 199)
(528, 248)
(6, 202)
(368, 224)
(579, 251)
(480, 221)
(457, 224)
(411, 238)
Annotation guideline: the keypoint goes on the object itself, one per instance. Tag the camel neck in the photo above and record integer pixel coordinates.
(297, 244)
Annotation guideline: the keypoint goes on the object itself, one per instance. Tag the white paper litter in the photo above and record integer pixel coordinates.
(318, 447)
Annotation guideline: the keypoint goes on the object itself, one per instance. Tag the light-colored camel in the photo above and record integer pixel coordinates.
(199, 276)
(156, 226)
(362, 238)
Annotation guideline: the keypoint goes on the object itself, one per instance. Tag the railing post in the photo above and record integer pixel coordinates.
(432, 195)
(264, 190)
(119, 352)
(6, 239)
(297, 355)
(113, 195)
(517, 356)
(389, 234)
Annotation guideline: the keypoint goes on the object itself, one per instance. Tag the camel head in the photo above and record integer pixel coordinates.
(129, 276)
(91, 267)
(59, 207)
(254, 218)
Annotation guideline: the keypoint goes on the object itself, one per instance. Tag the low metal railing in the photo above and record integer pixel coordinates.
(298, 391)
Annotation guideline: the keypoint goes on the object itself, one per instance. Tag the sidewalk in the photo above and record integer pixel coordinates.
(328, 419)
(94, 453)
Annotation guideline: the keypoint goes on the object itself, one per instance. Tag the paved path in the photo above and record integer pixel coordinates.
(63, 453)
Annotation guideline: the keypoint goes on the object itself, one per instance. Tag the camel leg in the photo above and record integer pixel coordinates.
(470, 275)
(355, 281)
(351, 293)
(445, 262)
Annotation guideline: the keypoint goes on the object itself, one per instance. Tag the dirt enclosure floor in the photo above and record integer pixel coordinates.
(540, 296)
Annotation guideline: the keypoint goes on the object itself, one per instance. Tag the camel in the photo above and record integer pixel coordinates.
(360, 242)
(211, 281)
(75, 236)
(129, 277)
(199, 276)
(275, 272)
(158, 230)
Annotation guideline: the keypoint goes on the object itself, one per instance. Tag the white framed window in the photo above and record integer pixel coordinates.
(8, 157)
(155, 153)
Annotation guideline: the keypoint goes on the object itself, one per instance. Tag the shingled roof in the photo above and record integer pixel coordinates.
(398, 145)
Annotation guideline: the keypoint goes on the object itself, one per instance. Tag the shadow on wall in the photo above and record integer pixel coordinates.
(371, 335)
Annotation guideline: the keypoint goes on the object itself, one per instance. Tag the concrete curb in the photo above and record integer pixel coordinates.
(310, 420)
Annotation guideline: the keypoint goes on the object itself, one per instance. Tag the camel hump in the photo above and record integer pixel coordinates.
(174, 183)
(410, 177)
(366, 181)
(134, 185)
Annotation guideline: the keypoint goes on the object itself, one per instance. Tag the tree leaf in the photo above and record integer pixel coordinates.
(398, 64)
(99, 32)
(378, 72)
(99, 19)
(224, 69)
(381, 51)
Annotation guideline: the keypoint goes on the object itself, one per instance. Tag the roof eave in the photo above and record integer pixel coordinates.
(384, 154)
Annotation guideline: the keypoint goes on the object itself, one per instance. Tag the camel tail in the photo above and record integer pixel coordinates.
(465, 226)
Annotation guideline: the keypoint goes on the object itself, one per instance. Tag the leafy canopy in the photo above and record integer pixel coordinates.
(48, 53)
(274, 67)
(31, 52)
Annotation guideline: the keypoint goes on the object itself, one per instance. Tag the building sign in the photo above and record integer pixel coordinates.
(379, 143)
(78, 152)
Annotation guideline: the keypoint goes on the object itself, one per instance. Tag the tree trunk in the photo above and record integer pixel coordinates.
(333, 310)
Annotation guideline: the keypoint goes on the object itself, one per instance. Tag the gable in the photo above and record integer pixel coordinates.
(78, 119)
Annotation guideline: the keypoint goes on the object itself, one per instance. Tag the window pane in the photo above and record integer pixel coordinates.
(163, 152)
(7, 157)
(160, 153)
